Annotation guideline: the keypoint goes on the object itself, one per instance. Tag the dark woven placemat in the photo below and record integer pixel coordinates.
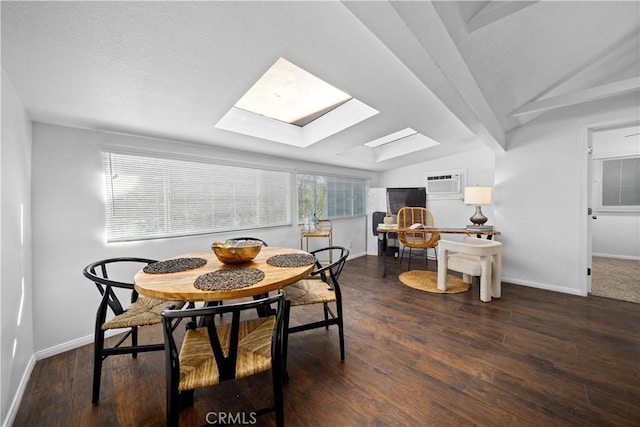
(291, 260)
(174, 265)
(230, 278)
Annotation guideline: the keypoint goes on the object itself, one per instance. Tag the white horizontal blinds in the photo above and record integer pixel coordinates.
(152, 197)
(345, 197)
(621, 182)
(330, 197)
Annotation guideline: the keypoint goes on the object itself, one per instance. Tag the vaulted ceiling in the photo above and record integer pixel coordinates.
(461, 73)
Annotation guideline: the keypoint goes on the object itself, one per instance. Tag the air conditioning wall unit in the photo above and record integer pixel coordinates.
(447, 184)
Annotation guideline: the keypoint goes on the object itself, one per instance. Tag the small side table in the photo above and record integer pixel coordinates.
(324, 229)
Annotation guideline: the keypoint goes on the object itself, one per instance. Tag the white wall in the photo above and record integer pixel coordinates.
(541, 187)
(69, 225)
(16, 348)
(617, 236)
(478, 168)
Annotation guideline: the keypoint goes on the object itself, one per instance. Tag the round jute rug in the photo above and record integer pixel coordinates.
(428, 281)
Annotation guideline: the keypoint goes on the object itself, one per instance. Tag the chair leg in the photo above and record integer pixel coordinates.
(340, 330)
(409, 267)
(134, 341)
(97, 366)
(326, 315)
(285, 337)
(278, 398)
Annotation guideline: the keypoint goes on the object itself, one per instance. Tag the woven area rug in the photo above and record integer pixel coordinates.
(428, 281)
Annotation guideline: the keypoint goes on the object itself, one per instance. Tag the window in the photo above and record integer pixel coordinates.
(154, 197)
(617, 186)
(330, 197)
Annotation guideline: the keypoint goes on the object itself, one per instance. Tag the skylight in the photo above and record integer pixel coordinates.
(390, 138)
(290, 94)
(400, 143)
(291, 106)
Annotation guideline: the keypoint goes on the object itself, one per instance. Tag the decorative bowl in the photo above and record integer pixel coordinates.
(236, 251)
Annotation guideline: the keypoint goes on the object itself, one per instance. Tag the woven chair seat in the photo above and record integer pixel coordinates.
(145, 311)
(198, 367)
(309, 291)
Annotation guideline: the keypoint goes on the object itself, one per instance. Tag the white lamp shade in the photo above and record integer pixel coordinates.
(477, 195)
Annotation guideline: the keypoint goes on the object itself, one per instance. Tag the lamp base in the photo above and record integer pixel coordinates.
(478, 219)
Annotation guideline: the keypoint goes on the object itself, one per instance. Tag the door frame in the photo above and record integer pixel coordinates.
(586, 222)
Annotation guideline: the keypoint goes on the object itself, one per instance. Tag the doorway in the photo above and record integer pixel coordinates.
(613, 228)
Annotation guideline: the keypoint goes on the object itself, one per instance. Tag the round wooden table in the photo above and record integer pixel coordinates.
(180, 286)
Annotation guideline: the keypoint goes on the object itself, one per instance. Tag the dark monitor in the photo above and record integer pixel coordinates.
(400, 197)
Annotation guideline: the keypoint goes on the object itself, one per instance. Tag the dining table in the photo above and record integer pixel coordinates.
(201, 277)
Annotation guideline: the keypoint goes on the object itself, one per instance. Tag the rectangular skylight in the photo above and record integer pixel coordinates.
(390, 138)
(292, 95)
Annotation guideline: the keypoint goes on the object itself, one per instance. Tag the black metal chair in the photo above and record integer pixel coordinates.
(321, 287)
(142, 311)
(215, 352)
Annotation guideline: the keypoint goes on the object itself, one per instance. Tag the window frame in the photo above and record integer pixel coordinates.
(598, 187)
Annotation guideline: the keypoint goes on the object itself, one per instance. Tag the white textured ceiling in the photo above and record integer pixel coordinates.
(461, 73)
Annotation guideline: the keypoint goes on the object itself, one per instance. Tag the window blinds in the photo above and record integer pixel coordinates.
(330, 197)
(153, 197)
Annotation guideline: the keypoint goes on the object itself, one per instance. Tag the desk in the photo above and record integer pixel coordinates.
(179, 286)
(386, 229)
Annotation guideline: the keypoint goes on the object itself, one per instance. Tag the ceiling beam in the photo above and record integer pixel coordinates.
(495, 11)
(591, 94)
(416, 35)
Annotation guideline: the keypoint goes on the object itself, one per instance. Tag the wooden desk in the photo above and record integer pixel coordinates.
(384, 230)
(179, 286)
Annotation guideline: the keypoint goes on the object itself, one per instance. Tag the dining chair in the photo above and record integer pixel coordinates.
(473, 258)
(408, 216)
(321, 287)
(214, 351)
(142, 311)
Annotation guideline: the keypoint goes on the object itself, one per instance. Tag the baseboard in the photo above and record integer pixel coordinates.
(545, 286)
(73, 344)
(17, 398)
(616, 256)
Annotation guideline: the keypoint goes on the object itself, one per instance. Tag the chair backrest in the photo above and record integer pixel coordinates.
(408, 216)
(250, 238)
(211, 317)
(377, 218)
(472, 246)
(104, 273)
(330, 272)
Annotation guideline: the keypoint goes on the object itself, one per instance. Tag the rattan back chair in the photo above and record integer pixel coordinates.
(321, 287)
(142, 311)
(216, 350)
(407, 216)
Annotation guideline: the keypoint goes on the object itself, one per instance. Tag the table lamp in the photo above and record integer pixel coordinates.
(477, 196)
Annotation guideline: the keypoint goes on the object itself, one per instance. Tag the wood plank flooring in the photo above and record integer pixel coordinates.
(531, 358)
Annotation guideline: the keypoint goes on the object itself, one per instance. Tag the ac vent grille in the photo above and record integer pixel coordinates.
(445, 185)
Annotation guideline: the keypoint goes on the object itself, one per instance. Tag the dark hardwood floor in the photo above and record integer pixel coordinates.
(531, 358)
